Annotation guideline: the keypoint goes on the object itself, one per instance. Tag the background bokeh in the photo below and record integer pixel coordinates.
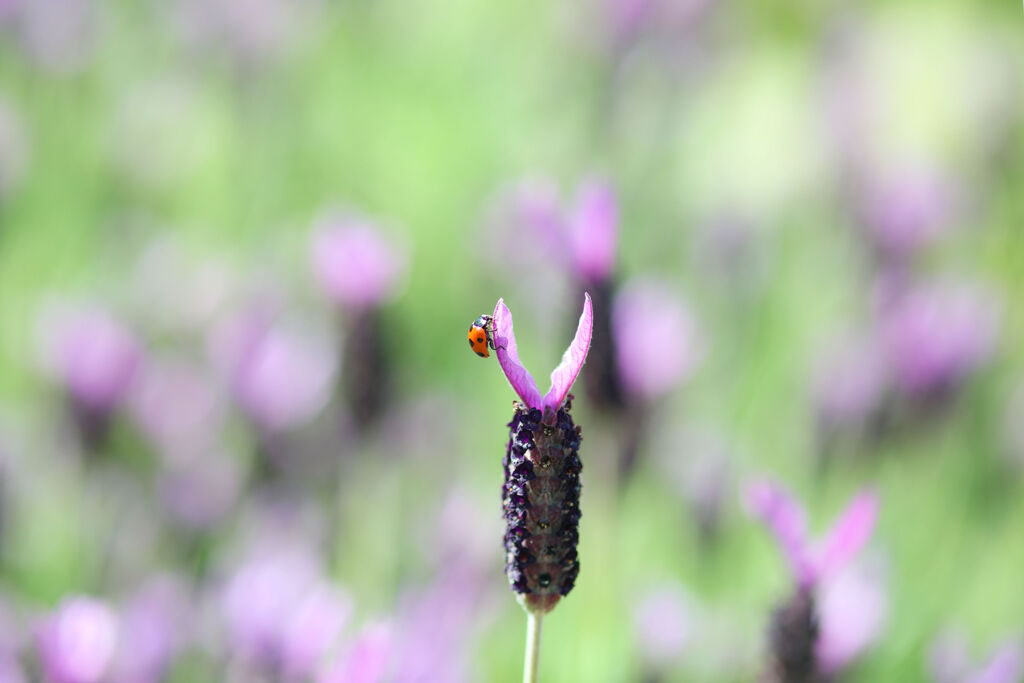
(241, 435)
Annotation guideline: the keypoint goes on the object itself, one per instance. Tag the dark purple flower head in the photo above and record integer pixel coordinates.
(77, 641)
(562, 377)
(357, 265)
(812, 563)
(934, 336)
(656, 339)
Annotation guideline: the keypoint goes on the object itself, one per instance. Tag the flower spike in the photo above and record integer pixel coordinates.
(541, 494)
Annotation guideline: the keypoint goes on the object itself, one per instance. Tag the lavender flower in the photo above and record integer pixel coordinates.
(647, 312)
(10, 669)
(848, 386)
(178, 406)
(281, 614)
(949, 661)
(57, 35)
(933, 336)
(357, 266)
(663, 623)
(281, 372)
(360, 270)
(153, 626)
(541, 493)
(906, 211)
(77, 642)
(367, 659)
(802, 646)
(95, 357)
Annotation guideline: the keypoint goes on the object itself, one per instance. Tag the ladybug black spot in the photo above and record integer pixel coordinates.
(479, 353)
(479, 340)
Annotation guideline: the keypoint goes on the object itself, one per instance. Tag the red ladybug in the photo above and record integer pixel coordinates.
(480, 335)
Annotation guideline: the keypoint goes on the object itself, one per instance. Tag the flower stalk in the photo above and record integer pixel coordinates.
(530, 666)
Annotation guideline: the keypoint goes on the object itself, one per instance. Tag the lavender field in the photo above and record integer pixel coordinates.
(771, 255)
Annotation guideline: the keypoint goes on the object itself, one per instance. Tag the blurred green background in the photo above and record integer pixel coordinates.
(221, 131)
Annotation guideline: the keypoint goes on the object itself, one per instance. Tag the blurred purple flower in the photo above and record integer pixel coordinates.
(251, 31)
(696, 460)
(949, 662)
(810, 563)
(57, 35)
(908, 210)
(585, 235)
(177, 405)
(663, 623)
(281, 372)
(281, 613)
(368, 660)
(656, 339)
(591, 230)
(313, 628)
(933, 336)
(627, 19)
(356, 264)
(200, 490)
(77, 641)
(91, 353)
(852, 607)
(434, 626)
(153, 625)
(10, 670)
(562, 377)
(848, 384)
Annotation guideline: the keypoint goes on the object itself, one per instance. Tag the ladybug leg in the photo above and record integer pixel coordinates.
(491, 330)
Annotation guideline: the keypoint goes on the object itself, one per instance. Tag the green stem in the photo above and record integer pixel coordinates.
(532, 648)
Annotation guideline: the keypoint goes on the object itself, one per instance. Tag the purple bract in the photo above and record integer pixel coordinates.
(562, 377)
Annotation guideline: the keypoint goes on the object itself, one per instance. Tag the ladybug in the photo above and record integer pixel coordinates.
(480, 335)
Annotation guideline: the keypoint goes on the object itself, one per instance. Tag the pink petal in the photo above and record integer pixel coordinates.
(565, 374)
(1005, 666)
(508, 357)
(852, 609)
(657, 341)
(593, 230)
(784, 516)
(849, 534)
